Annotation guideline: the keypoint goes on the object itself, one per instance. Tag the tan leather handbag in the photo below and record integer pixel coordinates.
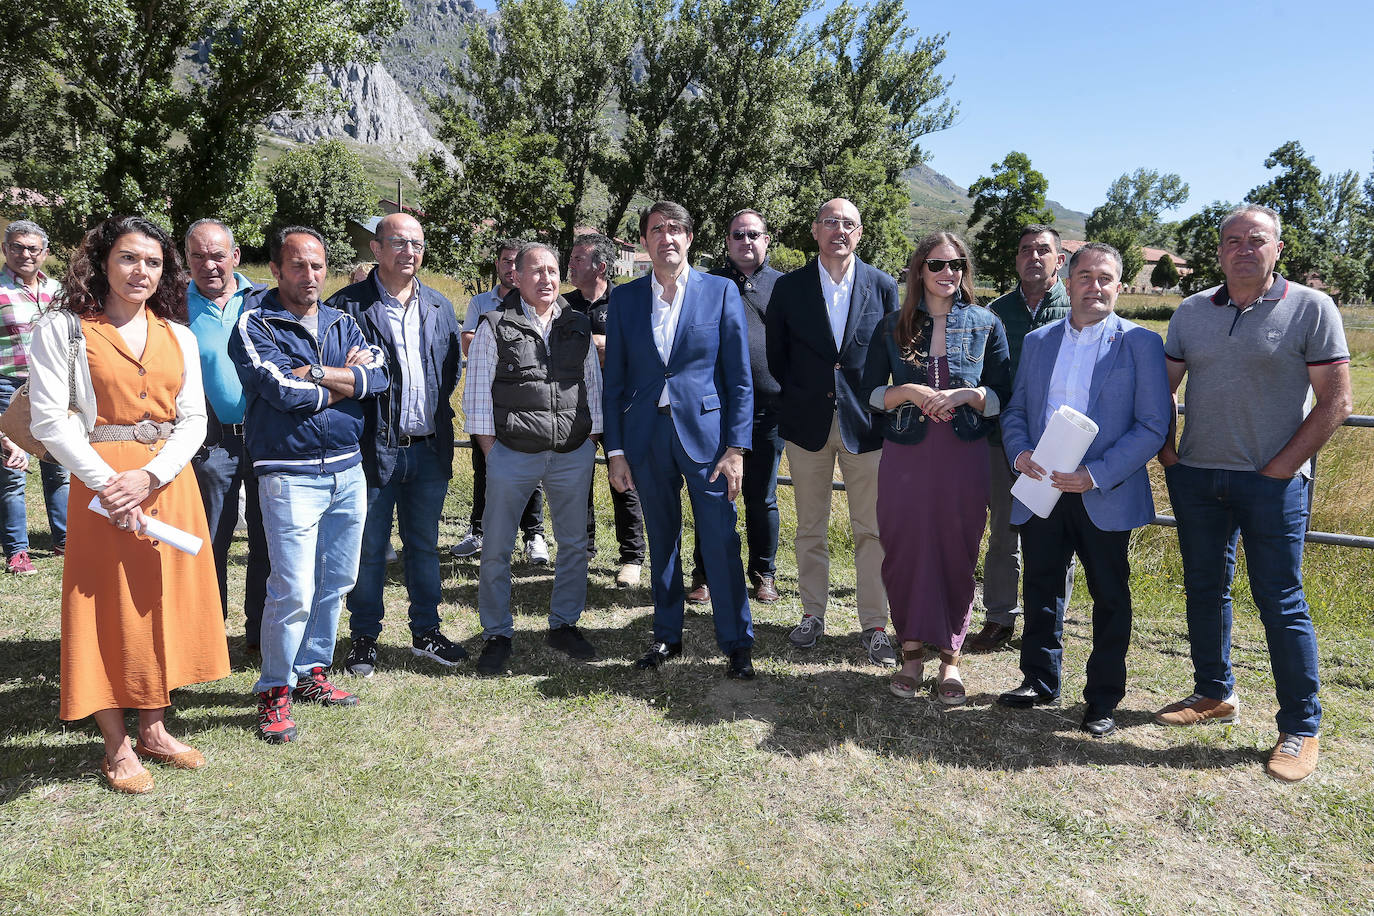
(16, 421)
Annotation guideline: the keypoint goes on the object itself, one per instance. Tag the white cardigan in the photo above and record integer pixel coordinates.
(67, 436)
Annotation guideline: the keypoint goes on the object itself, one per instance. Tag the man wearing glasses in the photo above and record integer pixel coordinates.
(679, 406)
(746, 246)
(407, 440)
(821, 320)
(25, 293)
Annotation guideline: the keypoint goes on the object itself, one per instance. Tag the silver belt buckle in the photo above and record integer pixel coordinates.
(146, 431)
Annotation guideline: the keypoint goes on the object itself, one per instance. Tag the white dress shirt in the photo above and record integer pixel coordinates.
(1073, 368)
(837, 295)
(417, 415)
(664, 318)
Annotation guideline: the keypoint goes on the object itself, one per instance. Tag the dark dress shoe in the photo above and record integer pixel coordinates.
(992, 636)
(1098, 724)
(741, 666)
(766, 589)
(1026, 696)
(700, 594)
(659, 653)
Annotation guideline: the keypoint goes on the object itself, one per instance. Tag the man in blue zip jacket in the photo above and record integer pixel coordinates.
(305, 369)
(407, 440)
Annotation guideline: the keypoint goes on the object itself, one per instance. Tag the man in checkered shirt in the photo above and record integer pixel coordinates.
(25, 293)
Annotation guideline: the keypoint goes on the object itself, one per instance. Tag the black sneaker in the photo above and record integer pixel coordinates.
(569, 639)
(362, 657)
(495, 654)
(437, 646)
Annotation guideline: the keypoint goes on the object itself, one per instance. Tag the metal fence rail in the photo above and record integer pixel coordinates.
(1312, 537)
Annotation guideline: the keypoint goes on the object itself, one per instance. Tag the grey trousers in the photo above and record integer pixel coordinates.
(511, 478)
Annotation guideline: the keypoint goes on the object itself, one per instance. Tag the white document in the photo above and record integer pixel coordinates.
(181, 540)
(1062, 447)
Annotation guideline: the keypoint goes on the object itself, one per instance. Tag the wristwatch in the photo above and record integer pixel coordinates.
(317, 374)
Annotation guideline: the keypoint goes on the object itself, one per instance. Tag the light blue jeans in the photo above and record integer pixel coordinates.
(511, 478)
(314, 528)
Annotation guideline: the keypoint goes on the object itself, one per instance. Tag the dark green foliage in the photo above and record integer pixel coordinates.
(1011, 197)
(1197, 239)
(322, 186)
(1295, 193)
(1165, 274)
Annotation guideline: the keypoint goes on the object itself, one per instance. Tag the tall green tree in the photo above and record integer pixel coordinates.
(1295, 193)
(1135, 201)
(322, 186)
(1165, 274)
(1012, 196)
(1343, 234)
(122, 127)
(1197, 240)
(1127, 243)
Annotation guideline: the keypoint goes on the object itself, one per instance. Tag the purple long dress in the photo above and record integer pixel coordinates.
(932, 508)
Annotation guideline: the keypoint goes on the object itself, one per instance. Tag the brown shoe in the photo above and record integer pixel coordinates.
(1198, 708)
(992, 636)
(767, 589)
(701, 594)
(140, 783)
(186, 760)
(1293, 759)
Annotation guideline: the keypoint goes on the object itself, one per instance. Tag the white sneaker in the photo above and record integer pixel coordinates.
(628, 577)
(469, 546)
(536, 551)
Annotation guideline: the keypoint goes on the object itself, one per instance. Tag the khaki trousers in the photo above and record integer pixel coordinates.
(812, 475)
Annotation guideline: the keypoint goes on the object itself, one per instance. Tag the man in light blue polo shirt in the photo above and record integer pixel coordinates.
(214, 301)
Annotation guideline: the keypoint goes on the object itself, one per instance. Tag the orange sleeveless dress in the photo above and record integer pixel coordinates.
(139, 618)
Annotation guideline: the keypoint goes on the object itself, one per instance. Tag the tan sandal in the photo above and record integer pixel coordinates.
(904, 685)
(950, 691)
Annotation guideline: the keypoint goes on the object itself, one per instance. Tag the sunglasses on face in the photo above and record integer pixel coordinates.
(740, 235)
(935, 265)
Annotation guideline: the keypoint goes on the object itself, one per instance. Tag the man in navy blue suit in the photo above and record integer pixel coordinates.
(679, 406)
(1113, 371)
(820, 321)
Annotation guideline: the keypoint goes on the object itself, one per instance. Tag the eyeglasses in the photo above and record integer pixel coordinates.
(935, 265)
(835, 222)
(740, 235)
(33, 250)
(399, 244)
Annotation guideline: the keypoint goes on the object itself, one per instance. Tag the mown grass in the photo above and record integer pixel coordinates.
(599, 789)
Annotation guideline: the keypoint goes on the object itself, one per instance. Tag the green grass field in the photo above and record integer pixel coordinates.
(569, 789)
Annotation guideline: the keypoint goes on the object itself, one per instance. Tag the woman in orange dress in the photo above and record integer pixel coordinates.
(139, 617)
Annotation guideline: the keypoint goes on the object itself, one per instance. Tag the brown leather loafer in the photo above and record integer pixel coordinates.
(766, 589)
(701, 594)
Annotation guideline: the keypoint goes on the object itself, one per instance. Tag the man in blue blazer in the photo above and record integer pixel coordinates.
(821, 318)
(679, 406)
(1114, 372)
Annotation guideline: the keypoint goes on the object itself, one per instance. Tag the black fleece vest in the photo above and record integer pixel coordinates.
(539, 393)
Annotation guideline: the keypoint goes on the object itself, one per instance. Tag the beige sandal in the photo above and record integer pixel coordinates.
(950, 691)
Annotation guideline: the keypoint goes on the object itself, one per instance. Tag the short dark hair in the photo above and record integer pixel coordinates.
(1100, 248)
(527, 247)
(670, 210)
(603, 249)
(1036, 229)
(280, 236)
(746, 211)
(507, 244)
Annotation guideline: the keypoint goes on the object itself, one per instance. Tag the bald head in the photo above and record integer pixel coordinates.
(399, 247)
(837, 231)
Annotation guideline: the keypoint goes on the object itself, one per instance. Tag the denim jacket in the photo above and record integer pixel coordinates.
(976, 350)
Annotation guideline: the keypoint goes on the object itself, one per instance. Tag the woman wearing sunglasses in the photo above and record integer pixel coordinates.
(938, 371)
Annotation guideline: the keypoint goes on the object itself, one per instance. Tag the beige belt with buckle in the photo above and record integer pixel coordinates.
(145, 431)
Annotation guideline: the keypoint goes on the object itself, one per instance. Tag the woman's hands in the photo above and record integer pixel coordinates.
(937, 405)
(123, 494)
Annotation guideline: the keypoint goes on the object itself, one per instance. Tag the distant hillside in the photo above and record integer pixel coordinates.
(937, 203)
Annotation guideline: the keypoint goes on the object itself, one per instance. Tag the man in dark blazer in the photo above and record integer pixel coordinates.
(1112, 371)
(407, 441)
(820, 320)
(679, 406)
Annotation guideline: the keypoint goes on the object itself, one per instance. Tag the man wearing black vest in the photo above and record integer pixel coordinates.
(533, 405)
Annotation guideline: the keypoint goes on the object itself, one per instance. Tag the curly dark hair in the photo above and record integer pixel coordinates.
(86, 285)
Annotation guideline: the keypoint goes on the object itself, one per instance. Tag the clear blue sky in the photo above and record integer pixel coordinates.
(1206, 88)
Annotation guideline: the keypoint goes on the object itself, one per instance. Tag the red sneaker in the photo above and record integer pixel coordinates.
(20, 564)
(275, 724)
(317, 689)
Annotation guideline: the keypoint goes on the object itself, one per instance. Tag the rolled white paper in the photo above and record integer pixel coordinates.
(153, 528)
(1061, 448)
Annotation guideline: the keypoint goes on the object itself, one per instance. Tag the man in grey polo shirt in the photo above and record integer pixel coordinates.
(1252, 349)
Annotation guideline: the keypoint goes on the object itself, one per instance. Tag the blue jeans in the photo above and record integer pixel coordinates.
(1213, 509)
(566, 477)
(416, 493)
(314, 527)
(14, 519)
(221, 470)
